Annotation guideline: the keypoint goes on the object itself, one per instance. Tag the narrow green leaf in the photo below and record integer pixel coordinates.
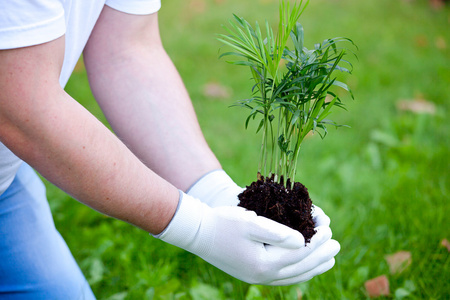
(260, 125)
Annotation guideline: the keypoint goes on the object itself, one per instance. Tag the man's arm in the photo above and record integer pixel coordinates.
(144, 99)
(45, 127)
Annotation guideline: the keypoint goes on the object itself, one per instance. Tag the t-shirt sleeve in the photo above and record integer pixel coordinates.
(26, 23)
(135, 7)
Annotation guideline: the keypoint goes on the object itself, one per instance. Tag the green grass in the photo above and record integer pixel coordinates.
(384, 182)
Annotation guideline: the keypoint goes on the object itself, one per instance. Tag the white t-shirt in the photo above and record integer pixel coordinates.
(32, 22)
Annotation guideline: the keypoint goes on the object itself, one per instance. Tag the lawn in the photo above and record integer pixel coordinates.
(384, 182)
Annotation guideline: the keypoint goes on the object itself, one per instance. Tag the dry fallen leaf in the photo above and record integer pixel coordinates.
(421, 41)
(377, 287)
(215, 90)
(398, 261)
(417, 106)
(198, 6)
(437, 4)
(440, 43)
(446, 244)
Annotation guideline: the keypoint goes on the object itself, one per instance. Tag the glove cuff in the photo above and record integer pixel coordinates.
(183, 230)
(216, 188)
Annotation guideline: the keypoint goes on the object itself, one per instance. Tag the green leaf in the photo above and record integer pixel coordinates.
(241, 63)
(97, 269)
(299, 33)
(202, 291)
(359, 276)
(260, 125)
(384, 138)
(231, 53)
(326, 111)
(254, 293)
(118, 296)
(401, 293)
(295, 117)
(283, 143)
(344, 86)
(248, 119)
(243, 49)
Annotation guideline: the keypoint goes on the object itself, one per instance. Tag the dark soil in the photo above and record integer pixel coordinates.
(290, 206)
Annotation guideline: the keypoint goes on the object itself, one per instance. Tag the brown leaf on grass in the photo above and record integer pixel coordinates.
(417, 106)
(421, 41)
(197, 6)
(377, 287)
(437, 4)
(445, 243)
(398, 261)
(215, 90)
(440, 43)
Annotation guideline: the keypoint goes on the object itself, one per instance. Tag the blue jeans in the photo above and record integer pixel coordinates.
(35, 262)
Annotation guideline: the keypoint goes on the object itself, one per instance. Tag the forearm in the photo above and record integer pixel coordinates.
(147, 105)
(69, 147)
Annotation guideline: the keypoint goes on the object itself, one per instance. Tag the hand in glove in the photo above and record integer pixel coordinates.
(216, 188)
(319, 217)
(251, 248)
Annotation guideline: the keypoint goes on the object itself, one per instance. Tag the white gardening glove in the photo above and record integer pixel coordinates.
(251, 248)
(216, 188)
(319, 217)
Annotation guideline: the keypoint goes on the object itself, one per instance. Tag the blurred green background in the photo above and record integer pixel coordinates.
(384, 182)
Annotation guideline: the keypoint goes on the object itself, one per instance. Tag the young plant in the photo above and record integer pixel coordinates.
(292, 94)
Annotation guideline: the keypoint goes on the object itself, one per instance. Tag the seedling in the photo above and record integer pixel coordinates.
(292, 93)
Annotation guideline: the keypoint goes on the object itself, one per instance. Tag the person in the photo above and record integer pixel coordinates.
(156, 172)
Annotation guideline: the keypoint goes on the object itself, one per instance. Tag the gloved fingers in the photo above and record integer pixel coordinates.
(313, 264)
(284, 257)
(269, 232)
(226, 196)
(305, 276)
(324, 253)
(322, 235)
(319, 217)
(273, 233)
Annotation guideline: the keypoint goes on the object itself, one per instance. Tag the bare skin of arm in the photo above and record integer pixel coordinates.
(48, 129)
(144, 99)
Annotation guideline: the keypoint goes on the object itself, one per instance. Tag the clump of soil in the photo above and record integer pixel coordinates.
(290, 206)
